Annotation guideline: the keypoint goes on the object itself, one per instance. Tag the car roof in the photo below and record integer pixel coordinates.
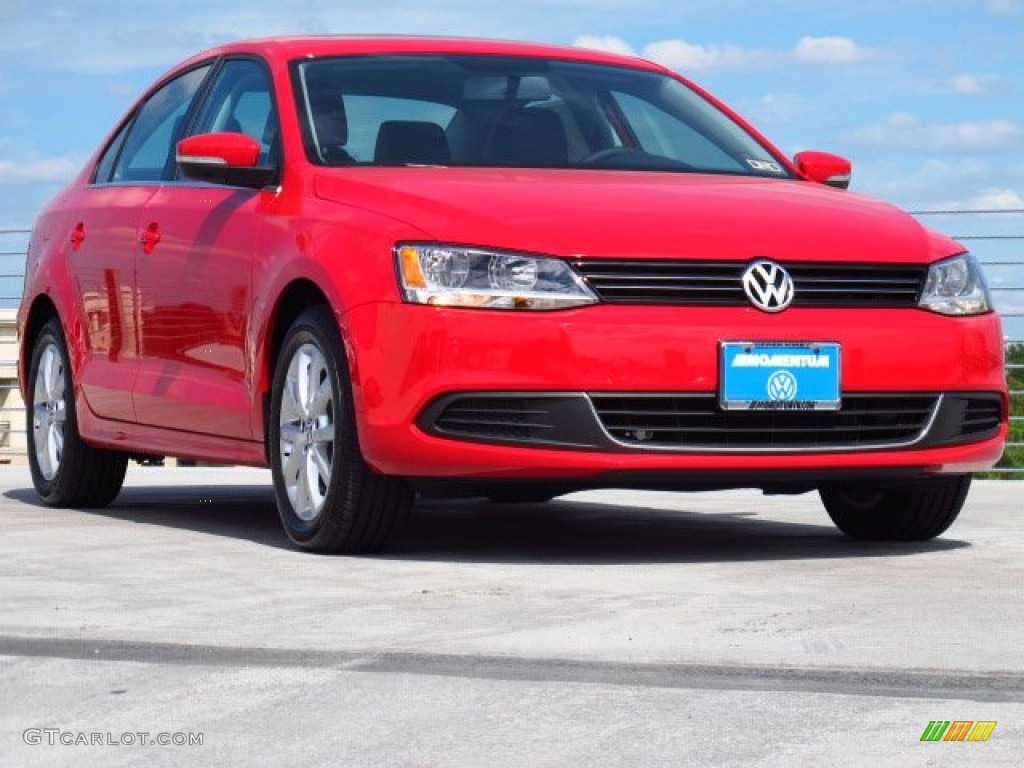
(288, 48)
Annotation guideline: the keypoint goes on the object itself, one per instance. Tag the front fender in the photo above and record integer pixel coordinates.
(346, 253)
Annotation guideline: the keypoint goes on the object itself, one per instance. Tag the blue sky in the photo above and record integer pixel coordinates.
(927, 98)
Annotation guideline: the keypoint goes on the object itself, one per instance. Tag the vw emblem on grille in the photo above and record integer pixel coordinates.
(782, 386)
(768, 286)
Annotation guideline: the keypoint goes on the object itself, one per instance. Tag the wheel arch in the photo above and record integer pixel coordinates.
(42, 310)
(297, 296)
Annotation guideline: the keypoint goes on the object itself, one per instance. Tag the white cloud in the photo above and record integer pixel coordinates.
(908, 132)
(38, 170)
(966, 84)
(115, 40)
(608, 43)
(679, 54)
(689, 57)
(942, 181)
(685, 56)
(995, 200)
(1003, 7)
(828, 50)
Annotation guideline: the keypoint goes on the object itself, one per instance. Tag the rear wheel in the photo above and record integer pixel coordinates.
(915, 512)
(65, 471)
(328, 498)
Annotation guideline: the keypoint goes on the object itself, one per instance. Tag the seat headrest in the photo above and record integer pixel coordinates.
(530, 138)
(330, 126)
(411, 142)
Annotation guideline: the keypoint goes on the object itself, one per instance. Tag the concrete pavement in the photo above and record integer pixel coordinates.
(605, 628)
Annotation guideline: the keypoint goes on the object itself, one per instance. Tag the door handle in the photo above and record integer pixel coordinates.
(150, 237)
(77, 236)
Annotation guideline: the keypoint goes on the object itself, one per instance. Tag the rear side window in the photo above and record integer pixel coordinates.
(105, 167)
(148, 150)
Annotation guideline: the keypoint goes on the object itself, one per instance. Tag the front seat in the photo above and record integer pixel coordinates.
(411, 142)
(529, 138)
(330, 125)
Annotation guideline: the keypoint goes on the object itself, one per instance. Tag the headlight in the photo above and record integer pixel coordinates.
(956, 287)
(455, 276)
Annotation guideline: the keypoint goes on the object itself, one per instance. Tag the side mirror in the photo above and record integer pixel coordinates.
(824, 168)
(223, 158)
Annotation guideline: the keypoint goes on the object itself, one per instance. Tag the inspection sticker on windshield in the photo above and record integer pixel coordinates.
(774, 376)
(765, 166)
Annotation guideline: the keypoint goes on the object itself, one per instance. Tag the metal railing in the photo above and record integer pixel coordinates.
(994, 237)
(13, 244)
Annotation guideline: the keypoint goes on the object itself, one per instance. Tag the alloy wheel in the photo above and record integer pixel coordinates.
(307, 431)
(49, 411)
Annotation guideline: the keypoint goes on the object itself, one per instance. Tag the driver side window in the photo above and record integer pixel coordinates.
(240, 102)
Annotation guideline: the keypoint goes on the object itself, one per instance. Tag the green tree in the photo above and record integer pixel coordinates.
(1014, 456)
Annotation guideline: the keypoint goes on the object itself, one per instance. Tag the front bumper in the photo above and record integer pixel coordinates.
(694, 423)
(410, 362)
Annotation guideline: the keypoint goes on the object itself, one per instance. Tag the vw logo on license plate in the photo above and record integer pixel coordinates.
(782, 386)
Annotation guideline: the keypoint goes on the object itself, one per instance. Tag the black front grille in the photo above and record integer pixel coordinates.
(697, 422)
(719, 283)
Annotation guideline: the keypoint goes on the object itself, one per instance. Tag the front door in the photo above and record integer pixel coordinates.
(194, 277)
(195, 294)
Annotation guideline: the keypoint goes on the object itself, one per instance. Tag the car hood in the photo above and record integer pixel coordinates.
(637, 214)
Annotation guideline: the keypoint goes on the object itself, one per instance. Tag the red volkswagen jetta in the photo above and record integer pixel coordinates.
(388, 266)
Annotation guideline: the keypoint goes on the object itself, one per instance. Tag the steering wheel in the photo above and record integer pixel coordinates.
(628, 158)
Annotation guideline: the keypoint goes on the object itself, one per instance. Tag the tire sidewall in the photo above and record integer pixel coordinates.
(307, 330)
(916, 512)
(51, 333)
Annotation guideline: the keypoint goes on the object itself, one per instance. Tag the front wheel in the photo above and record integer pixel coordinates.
(328, 498)
(66, 472)
(915, 512)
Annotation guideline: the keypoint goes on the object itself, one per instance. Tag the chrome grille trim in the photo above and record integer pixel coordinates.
(718, 283)
(914, 435)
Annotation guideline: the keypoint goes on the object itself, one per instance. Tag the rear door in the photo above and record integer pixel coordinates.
(104, 237)
(195, 282)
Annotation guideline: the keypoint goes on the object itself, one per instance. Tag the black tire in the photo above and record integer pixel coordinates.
(915, 512)
(65, 471)
(355, 510)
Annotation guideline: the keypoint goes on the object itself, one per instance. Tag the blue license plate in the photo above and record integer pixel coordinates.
(780, 376)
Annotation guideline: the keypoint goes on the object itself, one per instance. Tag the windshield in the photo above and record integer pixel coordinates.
(519, 112)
